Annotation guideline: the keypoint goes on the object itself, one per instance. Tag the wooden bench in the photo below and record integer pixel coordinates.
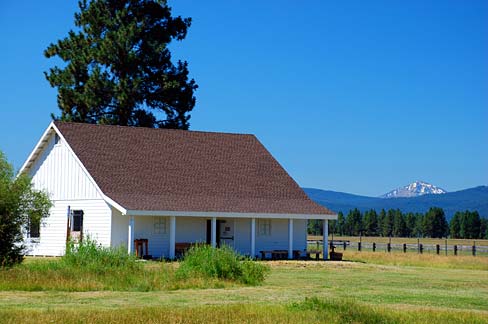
(181, 248)
(316, 253)
(335, 256)
(279, 254)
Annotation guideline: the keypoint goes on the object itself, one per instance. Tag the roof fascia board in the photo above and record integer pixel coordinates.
(228, 215)
(36, 148)
(105, 197)
(43, 138)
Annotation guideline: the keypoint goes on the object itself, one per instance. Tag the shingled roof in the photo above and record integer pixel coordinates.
(175, 170)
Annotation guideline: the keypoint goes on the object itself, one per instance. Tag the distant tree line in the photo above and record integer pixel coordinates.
(394, 223)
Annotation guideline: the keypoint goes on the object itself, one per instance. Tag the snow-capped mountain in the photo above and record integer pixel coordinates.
(417, 188)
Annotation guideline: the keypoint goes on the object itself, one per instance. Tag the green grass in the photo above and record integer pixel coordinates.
(89, 267)
(370, 290)
(223, 263)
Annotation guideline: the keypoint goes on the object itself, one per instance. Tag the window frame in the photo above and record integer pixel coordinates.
(29, 231)
(162, 227)
(77, 213)
(264, 227)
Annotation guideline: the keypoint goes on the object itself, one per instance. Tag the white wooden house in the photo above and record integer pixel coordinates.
(170, 187)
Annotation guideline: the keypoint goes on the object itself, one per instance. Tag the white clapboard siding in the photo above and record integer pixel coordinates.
(188, 229)
(57, 171)
(96, 224)
(277, 240)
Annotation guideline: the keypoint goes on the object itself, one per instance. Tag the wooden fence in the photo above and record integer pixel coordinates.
(420, 247)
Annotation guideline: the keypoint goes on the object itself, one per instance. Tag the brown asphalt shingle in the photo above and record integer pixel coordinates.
(176, 170)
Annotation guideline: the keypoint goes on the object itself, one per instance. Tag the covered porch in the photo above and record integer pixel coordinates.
(263, 236)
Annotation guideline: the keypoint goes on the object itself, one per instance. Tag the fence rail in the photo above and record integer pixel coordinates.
(419, 247)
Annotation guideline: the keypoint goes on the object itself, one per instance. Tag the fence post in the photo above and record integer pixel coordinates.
(455, 249)
(359, 246)
(446, 246)
(404, 248)
(421, 248)
(374, 246)
(418, 245)
(474, 248)
(344, 245)
(437, 249)
(388, 247)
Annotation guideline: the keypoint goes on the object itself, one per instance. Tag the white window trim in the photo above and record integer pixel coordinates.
(264, 227)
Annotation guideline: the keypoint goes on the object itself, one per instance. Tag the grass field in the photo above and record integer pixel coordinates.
(370, 288)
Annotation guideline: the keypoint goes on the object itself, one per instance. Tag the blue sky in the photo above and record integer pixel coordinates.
(354, 96)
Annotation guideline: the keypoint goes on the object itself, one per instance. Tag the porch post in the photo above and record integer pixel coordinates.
(130, 237)
(326, 239)
(214, 231)
(172, 236)
(253, 238)
(290, 238)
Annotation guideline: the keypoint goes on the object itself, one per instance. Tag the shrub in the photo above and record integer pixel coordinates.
(20, 206)
(221, 263)
(91, 256)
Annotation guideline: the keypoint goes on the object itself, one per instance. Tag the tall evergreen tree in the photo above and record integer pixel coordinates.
(354, 224)
(399, 225)
(455, 225)
(435, 223)
(410, 221)
(315, 226)
(470, 225)
(381, 221)
(117, 66)
(419, 225)
(340, 228)
(370, 222)
(388, 221)
(484, 228)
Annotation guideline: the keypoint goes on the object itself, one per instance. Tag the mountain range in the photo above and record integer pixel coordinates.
(469, 199)
(417, 188)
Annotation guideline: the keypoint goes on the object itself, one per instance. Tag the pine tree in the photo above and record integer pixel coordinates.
(435, 224)
(455, 225)
(117, 66)
(370, 223)
(419, 225)
(381, 221)
(388, 221)
(484, 228)
(399, 225)
(354, 222)
(470, 225)
(410, 221)
(340, 224)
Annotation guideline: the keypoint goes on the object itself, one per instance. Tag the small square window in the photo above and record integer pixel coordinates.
(159, 225)
(56, 139)
(264, 227)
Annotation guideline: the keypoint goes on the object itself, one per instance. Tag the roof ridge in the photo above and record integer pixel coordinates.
(57, 122)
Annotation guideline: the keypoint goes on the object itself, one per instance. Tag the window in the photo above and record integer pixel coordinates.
(264, 227)
(56, 139)
(34, 229)
(77, 225)
(159, 225)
